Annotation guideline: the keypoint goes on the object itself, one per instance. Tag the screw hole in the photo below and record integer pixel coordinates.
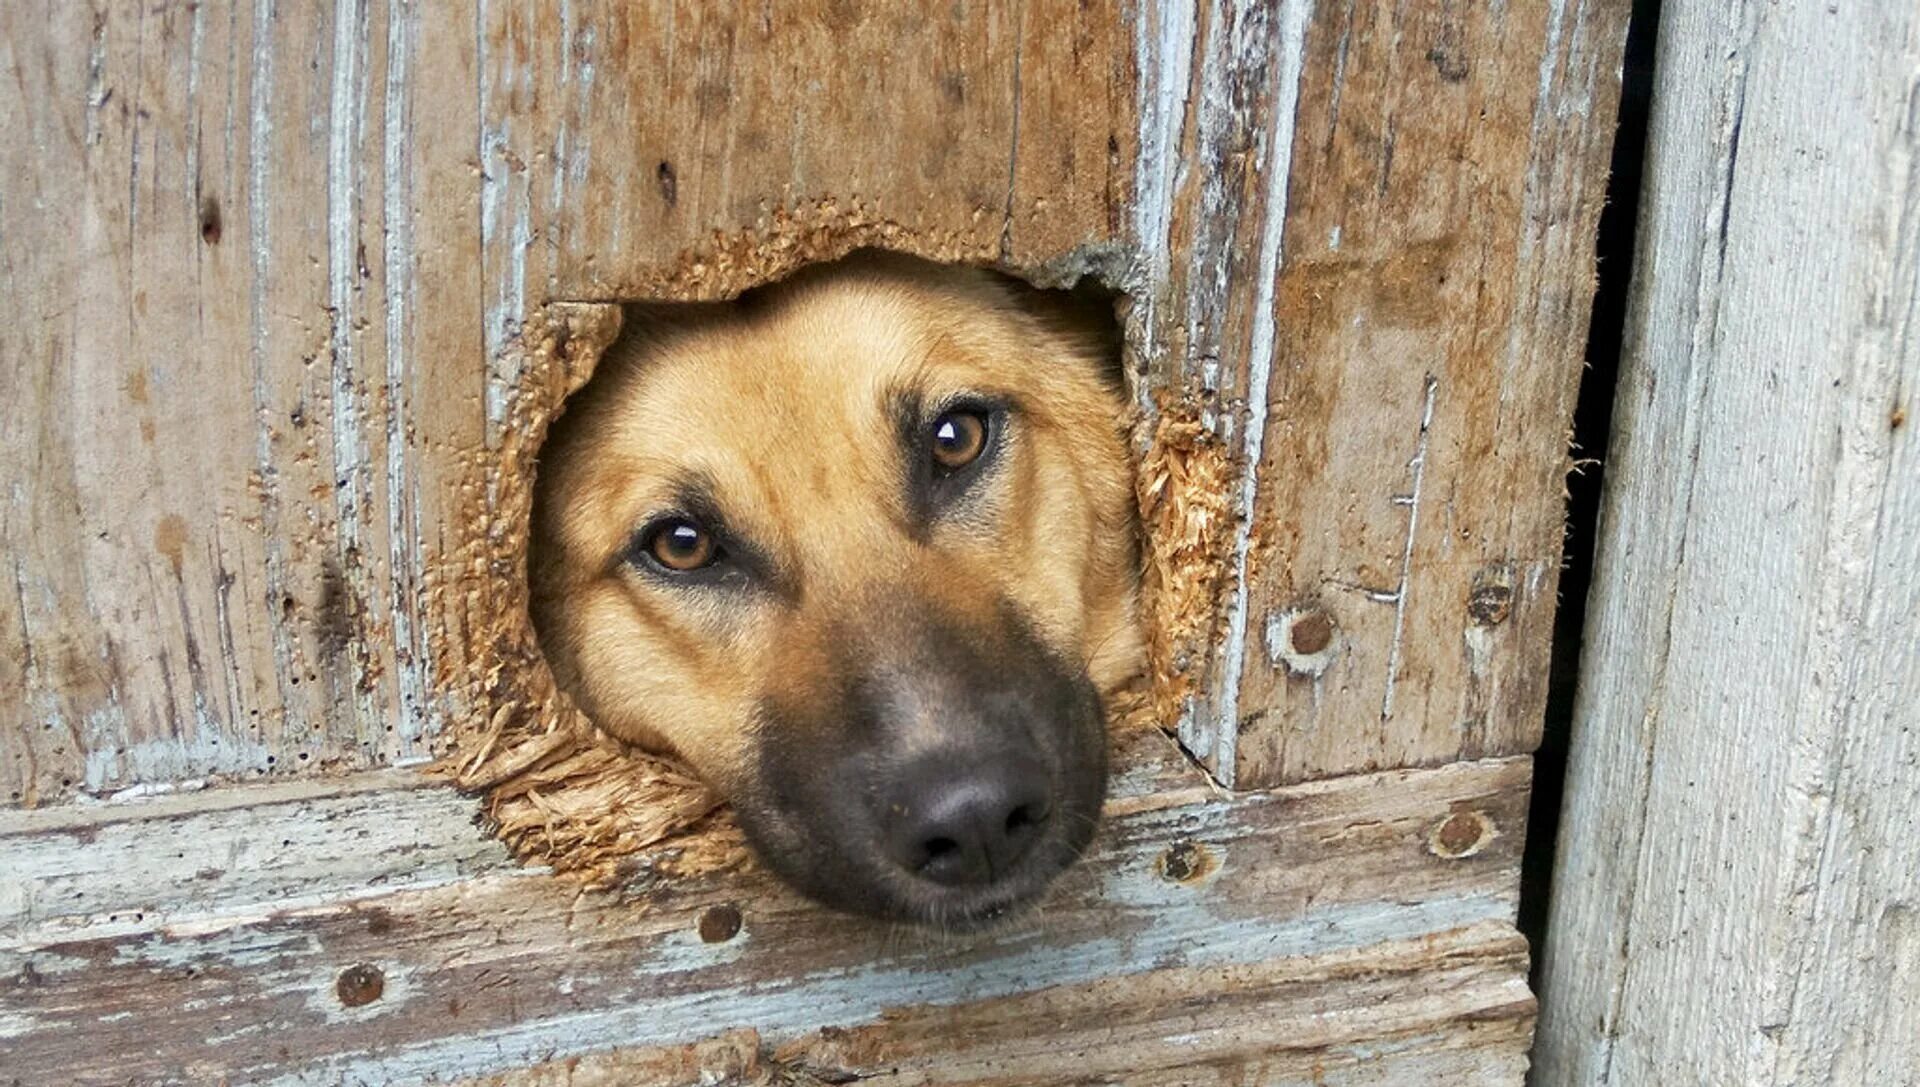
(718, 924)
(359, 985)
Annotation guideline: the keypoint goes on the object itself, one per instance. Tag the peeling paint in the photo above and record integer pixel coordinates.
(406, 556)
(1163, 39)
(203, 749)
(1288, 67)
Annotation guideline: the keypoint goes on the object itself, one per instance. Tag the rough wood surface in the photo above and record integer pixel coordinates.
(1368, 276)
(1737, 898)
(273, 268)
(1447, 1010)
(270, 265)
(227, 470)
(1357, 930)
(194, 857)
(294, 291)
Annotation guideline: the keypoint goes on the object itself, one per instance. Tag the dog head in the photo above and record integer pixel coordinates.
(859, 548)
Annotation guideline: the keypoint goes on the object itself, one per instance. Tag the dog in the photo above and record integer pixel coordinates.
(860, 548)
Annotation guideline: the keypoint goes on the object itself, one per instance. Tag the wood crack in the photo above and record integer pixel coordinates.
(1013, 143)
(1411, 501)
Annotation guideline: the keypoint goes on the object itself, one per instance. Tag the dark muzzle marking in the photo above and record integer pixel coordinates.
(955, 769)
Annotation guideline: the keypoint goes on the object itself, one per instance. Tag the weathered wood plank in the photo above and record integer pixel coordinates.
(1382, 277)
(968, 131)
(1736, 896)
(196, 858)
(163, 856)
(1367, 916)
(283, 451)
(270, 294)
(212, 523)
(1338, 1020)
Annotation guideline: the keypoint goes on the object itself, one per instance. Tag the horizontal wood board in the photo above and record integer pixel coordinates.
(1360, 927)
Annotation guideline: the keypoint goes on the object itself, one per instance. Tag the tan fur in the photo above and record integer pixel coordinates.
(782, 403)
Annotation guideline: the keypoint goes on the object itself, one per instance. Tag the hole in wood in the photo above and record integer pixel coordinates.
(210, 220)
(1304, 639)
(718, 924)
(587, 800)
(858, 547)
(1186, 862)
(1311, 633)
(1490, 600)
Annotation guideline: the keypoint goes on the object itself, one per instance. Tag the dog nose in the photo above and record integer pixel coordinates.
(957, 825)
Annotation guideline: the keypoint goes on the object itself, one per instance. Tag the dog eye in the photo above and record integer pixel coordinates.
(681, 546)
(959, 437)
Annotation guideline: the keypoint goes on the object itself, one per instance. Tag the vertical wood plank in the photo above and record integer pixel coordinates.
(49, 677)
(703, 155)
(1381, 235)
(228, 558)
(1219, 97)
(1735, 895)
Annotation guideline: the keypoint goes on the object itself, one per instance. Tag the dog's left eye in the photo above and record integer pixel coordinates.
(959, 437)
(681, 546)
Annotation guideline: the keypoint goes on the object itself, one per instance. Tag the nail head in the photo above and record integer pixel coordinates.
(360, 984)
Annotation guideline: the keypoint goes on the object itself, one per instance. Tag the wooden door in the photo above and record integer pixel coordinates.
(295, 289)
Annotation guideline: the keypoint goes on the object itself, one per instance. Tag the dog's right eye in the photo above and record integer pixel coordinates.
(959, 437)
(680, 545)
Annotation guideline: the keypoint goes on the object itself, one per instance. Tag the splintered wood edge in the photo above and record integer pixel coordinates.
(561, 793)
(1333, 925)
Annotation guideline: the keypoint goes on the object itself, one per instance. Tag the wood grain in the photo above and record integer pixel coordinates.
(1330, 1021)
(1379, 288)
(234, 478)
(1735, 895)
(275, 267)
(190, 858)
(297, 286)
(1358, 926)
(271, 295)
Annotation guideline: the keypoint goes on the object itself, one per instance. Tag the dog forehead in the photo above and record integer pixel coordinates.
(820, 376)
(766, 396)
(776, 421)
(788, 414)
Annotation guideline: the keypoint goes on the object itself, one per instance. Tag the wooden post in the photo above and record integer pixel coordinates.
(1737, 897)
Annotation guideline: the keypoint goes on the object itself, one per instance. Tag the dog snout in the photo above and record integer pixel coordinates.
(959, 823)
